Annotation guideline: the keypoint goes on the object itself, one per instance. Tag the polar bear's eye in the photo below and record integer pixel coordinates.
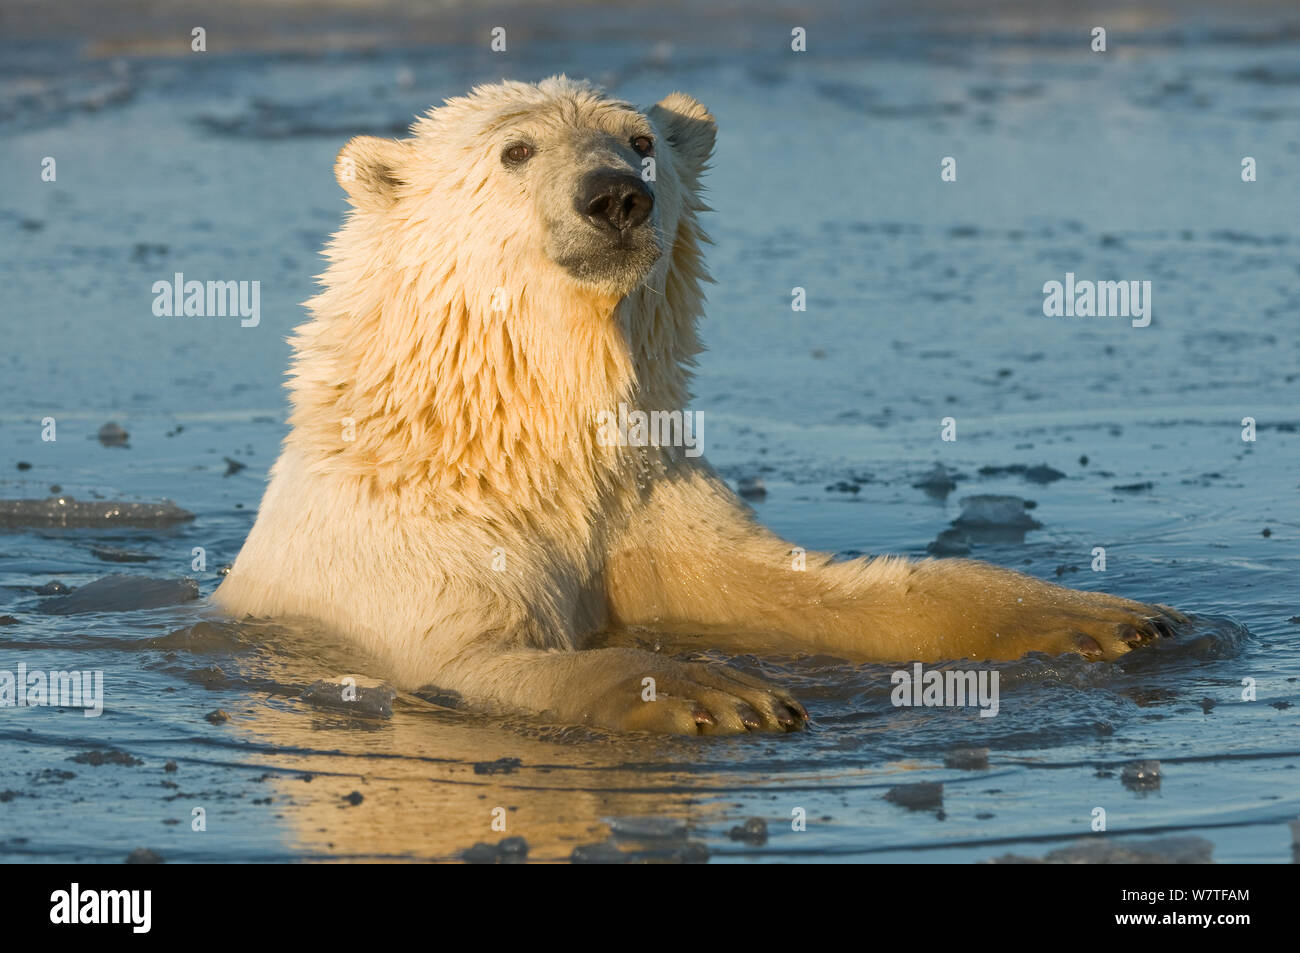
(517, 154)
(642, 144)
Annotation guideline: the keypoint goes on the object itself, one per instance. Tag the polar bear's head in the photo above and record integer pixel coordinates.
(516, 179)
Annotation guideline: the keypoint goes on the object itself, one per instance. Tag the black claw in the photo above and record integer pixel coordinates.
(1163, 626)
(792, 717)
(1173, 616)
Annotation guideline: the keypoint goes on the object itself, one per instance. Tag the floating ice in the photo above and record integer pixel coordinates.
(967, 759)
(1141, 775)
(123, 594)
(938, 481)
(751, 487)
(674, 852)
(752, 832)
(66, 511)
(643, 828)
(354, 694)
(1102, 850)
(996, 512)
(113, 435)
(922, 796)
(499, 766)
(951, 542)
(510, 850)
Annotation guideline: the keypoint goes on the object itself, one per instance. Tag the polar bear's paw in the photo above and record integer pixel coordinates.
(1096, 626)
(702, 699)
(963, 609)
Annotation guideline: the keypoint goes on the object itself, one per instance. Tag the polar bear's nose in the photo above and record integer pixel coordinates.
(615, 200)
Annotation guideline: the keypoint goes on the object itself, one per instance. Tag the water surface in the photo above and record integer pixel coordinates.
(924, 302)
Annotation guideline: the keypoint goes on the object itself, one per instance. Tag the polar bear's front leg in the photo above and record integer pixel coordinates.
(701, 560)
(622, 690)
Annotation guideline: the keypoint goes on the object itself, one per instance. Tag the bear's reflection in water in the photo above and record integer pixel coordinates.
(428, 781)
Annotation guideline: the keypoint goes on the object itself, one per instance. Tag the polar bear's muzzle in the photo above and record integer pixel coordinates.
(614, 201)
(610, 240)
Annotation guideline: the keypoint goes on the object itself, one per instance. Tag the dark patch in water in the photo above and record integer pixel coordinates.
(499, 766)
(65, 511)
(106, 756)
(510, 850)
(1107, 850)
(110, 554)
(922, 796)
(123, 594)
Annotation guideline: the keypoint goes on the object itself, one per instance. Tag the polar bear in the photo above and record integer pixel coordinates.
(522, 265)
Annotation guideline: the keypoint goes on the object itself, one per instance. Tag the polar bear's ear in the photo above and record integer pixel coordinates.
(691, 129)
(367, 168)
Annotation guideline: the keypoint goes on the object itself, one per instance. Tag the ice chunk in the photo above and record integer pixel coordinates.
(967, 759)
(1141, 775)
(951, 542)
(499, 766)
(996, 512)
(510, 850)
(354, 694)
(922, 796)
(752, 487)
(752, 832)
(112, 434)
(123, 594)
(1102, 850)
(66, 511)
(647, 828)
(938, 481)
